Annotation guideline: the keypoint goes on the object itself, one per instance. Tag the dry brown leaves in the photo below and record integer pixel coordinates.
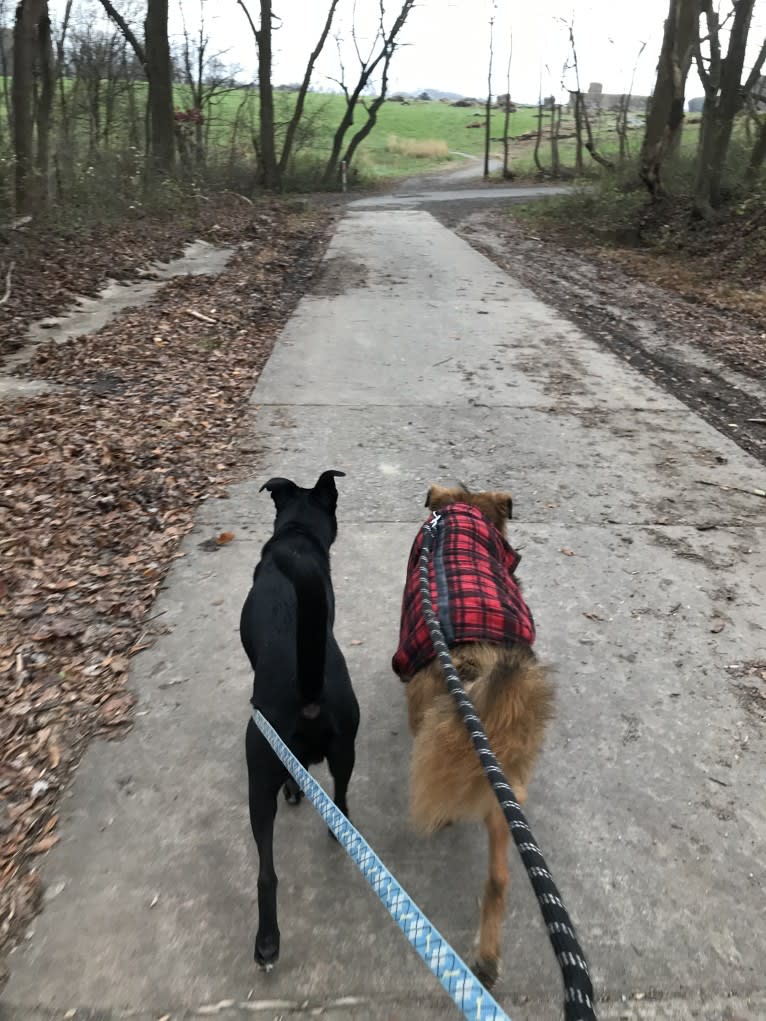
(98, 485)
(53, 266)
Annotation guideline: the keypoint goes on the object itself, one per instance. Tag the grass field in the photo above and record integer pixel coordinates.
(445, 127)
(444, 134)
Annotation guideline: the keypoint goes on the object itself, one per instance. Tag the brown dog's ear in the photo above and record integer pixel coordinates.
(498, 507)
(437, 496)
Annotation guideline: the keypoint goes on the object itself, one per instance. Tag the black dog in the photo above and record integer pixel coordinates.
(301, 683)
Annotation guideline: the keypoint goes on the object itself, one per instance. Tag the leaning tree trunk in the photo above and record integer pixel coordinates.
(159, 73)
(666, 110)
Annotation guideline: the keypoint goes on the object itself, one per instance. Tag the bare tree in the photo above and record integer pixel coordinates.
(621, 125)
(555, 130)
(507, 119)
(758, 152)
(32, 55)
(154, 57)
(127, 31)
(666, 108)
(266, 148)
(206, 79)
(159, 73)
(292, 127)
(488, 119)
(539, 135)
(59, 73)
(379, 58)
(582, 117)
(725, 95)
(578, 119)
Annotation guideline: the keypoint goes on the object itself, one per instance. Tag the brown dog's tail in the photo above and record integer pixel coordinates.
(514, 700)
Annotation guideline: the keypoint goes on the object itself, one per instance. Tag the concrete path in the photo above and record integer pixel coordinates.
(649, 801)
(434, 191)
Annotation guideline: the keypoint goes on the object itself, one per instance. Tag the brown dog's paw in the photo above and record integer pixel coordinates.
(486, 972)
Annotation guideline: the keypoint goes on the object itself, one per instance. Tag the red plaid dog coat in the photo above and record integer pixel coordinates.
(473, 591)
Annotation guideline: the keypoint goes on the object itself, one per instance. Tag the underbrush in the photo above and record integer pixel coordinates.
(615, 209)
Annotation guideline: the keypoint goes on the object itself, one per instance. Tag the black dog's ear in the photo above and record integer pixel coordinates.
(280, 489)
(510, 507)
(428, 496)
(325, 487)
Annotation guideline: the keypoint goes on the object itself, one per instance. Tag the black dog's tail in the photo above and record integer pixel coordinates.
(311, 632)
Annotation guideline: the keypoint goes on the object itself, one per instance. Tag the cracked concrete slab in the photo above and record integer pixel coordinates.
(649, 798)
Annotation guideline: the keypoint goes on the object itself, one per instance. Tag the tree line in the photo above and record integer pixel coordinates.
(77, 88)
(135, 70)
(697, 34)
(696, 31)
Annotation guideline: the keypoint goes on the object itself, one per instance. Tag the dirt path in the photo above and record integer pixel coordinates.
(712, 359)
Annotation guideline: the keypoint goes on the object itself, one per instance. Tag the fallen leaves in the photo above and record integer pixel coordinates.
(98, 486)
(45, 844)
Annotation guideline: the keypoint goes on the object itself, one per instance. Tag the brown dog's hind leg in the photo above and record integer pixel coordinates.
(493, 902)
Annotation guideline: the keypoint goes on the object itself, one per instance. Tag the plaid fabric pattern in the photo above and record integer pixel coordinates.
(473, 591)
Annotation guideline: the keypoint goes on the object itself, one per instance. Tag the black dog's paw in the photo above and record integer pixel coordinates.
(293, 793)
(266, 951)
(486, 972)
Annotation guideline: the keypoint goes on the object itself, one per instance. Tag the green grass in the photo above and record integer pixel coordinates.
(418, 120)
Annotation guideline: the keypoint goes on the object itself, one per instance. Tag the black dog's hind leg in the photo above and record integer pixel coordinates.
(293, 793)
(266, 775)
(340, 759)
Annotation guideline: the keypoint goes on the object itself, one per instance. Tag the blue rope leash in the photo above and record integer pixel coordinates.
(456, 977)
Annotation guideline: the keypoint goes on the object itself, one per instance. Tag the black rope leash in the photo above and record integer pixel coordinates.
(578, 990)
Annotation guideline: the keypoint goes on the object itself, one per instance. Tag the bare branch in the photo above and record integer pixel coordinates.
(249, 18)
(301, 97)
(126, 30)
(755, 72)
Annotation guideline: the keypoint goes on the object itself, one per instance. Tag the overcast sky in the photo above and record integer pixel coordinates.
(447, 42)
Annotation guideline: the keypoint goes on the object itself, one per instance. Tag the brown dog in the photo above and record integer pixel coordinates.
(490, 644)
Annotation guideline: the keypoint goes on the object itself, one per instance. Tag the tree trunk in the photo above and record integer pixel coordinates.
(539, 136)
(666, 110)
(507, 175)
(757, 155)
(159, 73)
(63, 103)
(488, 120)
(45, 102)
(578, 111)
(555, 161)
(25, 48)
(269, 168)
(724, 98)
